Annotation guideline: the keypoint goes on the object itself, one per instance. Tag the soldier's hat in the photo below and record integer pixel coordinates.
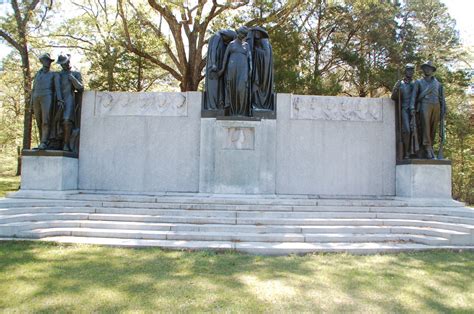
(428, 64)
(63, 59)
(409, 66)
(45, 56)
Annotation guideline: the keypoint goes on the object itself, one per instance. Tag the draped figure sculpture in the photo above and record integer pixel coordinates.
(215, 85)
(236, 70)
(262, 95)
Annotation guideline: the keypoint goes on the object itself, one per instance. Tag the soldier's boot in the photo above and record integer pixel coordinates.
(406, 145)
(67, 135)
(429, 152)
(44, 137)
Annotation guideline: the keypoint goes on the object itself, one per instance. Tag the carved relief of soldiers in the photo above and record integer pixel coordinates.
(428, 100)
(71, 84)
(46, 88)
(402, 94)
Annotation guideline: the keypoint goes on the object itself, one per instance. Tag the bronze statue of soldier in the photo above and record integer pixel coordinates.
(46, 88)
(71, 84)
(215, 85)
(428, 100)
(402, 94)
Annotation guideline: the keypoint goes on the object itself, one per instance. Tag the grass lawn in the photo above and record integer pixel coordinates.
(43, 277)
(8, 183)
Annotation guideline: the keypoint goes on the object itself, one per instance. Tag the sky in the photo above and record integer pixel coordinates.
(461, 10)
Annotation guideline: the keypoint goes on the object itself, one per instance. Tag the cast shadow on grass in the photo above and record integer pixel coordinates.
(91, 278)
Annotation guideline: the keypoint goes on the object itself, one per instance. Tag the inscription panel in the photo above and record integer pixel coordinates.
(239, 138)
(141, 104)
(336, 108)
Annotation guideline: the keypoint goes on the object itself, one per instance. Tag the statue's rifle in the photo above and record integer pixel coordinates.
(399, 108)
(442, 136)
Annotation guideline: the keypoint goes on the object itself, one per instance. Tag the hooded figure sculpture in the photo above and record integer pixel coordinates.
(262, 96)
(237, 67)
(215, 85)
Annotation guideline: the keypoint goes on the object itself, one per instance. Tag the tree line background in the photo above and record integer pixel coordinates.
(321, 47)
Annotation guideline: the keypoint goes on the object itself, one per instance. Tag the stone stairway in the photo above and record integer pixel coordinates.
(256, 224)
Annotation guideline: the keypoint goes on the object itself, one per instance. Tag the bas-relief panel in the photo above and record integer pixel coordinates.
(336, 109)
(141, 104)
(239, 138)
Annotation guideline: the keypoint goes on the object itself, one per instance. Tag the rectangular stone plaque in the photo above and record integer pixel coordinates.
(336, 108)
(141, 104)
(239, 138)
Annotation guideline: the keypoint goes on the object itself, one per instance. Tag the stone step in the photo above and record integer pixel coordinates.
(319, 211)
(196, 198)
(292, 218)
(436, 222)
(13, 228)
(232, 236)
(260, 248)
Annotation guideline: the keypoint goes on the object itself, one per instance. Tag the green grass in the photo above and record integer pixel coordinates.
(8, 183)
(42, 277)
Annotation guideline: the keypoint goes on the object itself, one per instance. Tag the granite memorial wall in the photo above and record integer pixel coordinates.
(158, 142)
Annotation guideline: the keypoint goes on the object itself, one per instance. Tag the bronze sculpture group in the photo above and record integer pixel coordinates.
(56, 101)
(239, 83)
(421, 112)
(239, 73)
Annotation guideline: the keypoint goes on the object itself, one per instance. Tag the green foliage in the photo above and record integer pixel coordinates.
(98, 34)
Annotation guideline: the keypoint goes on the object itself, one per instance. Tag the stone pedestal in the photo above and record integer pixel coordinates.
(424, 178)
(237, 156)
(49, 171)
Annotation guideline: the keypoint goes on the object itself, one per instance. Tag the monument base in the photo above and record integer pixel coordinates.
(237, 156)
(421, 178)
(49, 170)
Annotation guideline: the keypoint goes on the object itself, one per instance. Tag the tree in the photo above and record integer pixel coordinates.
(15, 29)
(97, 34)
(187, 26)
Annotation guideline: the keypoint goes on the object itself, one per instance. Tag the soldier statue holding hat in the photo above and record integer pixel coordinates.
(46, 87)
(71, 85)
(402, 94)
(428, 100)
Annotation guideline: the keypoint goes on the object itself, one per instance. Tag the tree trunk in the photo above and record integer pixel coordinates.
(25, 62)
(18, 164)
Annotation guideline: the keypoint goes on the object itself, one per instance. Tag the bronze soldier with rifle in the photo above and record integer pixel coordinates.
(428, 100)
(402, 94)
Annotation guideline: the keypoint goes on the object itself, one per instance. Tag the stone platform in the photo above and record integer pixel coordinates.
(257, 224)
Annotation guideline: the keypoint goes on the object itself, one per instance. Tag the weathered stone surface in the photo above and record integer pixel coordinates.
(237, 156)
(141, 104)
(345, 152)
(49, 173)
(336, 108)
(135, 147)
(424, 180)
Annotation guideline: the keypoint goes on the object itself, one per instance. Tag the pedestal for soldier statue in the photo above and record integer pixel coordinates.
(421, 108)
(56, 103)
